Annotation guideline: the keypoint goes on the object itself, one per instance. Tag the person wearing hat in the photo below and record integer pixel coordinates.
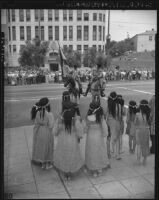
(96, 157)
(130, 129)
(43, 140)
(76, 77)
(97, 76)
(113, 122)
(67, 155)
(142, 124)
(152, 123)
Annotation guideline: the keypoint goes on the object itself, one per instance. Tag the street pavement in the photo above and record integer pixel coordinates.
(24, 180)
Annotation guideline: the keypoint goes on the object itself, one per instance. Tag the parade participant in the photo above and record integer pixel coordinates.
(76, 78)
(97, 76)
(122, 112)
(130, 129)
(96, 157)
(152, 123)
(113, 122)
(67, 155)
(43, 140)
(142, 122)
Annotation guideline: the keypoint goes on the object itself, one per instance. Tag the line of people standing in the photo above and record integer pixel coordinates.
(104, 134)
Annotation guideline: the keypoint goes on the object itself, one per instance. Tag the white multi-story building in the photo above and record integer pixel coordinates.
(144, 41)
(75, 29)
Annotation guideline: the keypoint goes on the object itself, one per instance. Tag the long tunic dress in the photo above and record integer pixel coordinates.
(142, 134)
(43, 140)
(96, 157)
(130, 125)
(67, 155)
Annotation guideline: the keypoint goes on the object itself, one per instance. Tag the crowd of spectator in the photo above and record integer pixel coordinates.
(23, 77)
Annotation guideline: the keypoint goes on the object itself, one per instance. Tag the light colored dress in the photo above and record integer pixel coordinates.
(115, 127)
(67, 155)
(43, 139)
(96, 157)
(131, 129)
(142, 134)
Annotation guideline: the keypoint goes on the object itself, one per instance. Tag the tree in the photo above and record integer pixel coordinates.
(73, 57)
(119, 48)
(33, 53)
(89, 59)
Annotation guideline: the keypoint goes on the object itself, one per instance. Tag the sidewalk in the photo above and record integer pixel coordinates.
(23, 179)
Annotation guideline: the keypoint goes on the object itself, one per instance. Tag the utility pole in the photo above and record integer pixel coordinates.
(108, 40)
(39, 24)
(108, 34)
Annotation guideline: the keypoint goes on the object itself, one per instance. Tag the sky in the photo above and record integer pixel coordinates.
(132, 22)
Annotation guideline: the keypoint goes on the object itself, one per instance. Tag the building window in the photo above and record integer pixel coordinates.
(65, 47)
(70, 15)
(21, 47)
(10, 49)
(79, 15)
(36, 31)
(103, 47)
(85, 48)
(21, 32)
(150, 38)
(94, 16)
(99, 48)
(100, 33)
(56, 32)
(70, 47)
(79, 48)
(42, 33)
(8, 15)
(13, 33)
(70, 32)
(49, 15)
(56, 15)
(28, 15)
(79, 32)
(94, 46)
(42, 15)
(9, 34)
(13, 15)
(94, 33)
(65, 33)
(21, 15)
(50, 33)
(86, 33)
(103, 33)
(64, 15)
(28, 29)
(100, 17)
(86, 17)
(36, 15)
(103, 17)
(14, 49)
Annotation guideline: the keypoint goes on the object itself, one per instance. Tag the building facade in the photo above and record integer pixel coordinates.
(144, 41)
(74, 29)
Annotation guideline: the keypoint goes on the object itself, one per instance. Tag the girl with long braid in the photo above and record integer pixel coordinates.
(43, 140)
(142, 124)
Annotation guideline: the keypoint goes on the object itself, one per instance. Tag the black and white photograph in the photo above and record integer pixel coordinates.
(79, 103)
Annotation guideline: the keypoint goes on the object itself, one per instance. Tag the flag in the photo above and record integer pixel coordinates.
(64, 67)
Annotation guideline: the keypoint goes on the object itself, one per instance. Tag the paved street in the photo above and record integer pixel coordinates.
(20, 99)
(125, 179)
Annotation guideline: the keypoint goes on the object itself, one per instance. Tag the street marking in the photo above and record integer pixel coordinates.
(136, 90)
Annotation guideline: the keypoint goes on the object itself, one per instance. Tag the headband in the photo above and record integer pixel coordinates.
(143, 104)
(133, 106)
(113, 98)
(37, 107)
